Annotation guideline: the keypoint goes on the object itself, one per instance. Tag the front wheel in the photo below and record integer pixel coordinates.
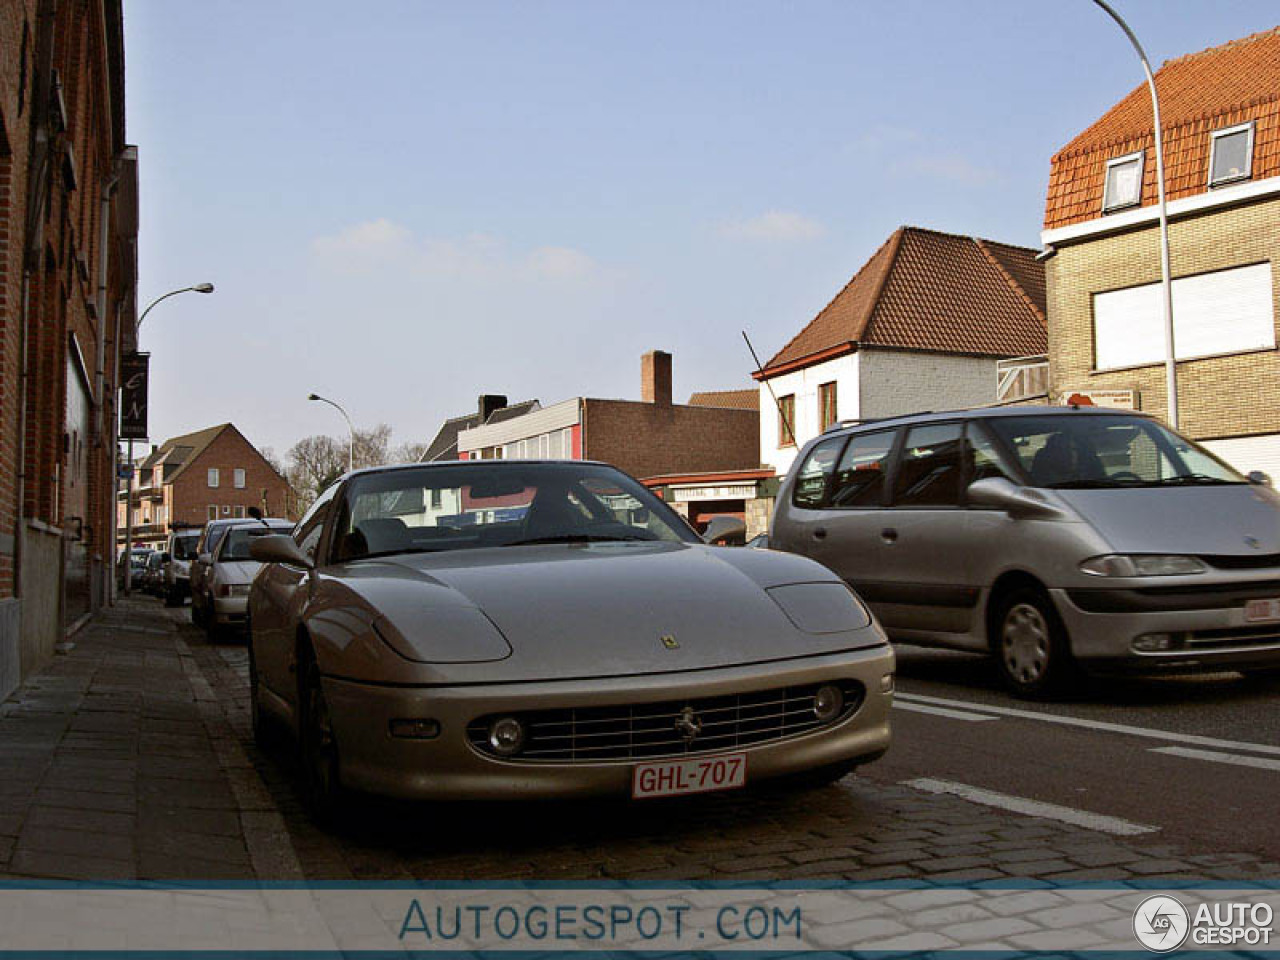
(1031, 645)
(317, 747)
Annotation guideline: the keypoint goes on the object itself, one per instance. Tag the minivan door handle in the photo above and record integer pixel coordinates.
(819, 533)
(889, 535)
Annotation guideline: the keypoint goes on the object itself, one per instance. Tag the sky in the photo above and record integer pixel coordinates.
(404, 204)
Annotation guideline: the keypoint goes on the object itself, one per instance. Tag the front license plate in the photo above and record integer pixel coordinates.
(1262, 611)
(723, 772)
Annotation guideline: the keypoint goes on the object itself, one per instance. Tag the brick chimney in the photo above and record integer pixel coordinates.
(489, 402)
(655, 378)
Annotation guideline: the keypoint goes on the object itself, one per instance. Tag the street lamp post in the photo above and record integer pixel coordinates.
(351, 448)
(1166, 283)
(128, 490)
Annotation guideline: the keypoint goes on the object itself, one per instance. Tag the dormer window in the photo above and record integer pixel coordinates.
(1124, 182)
(1231, 155)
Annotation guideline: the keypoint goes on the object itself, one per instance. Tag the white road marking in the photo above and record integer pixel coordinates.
(1033, 808)
(1262, 763)
(1103, 725)
(940, 711)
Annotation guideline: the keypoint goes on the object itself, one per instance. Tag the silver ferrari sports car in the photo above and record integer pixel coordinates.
(512, 629)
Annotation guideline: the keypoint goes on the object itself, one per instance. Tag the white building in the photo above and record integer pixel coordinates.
(922, 326)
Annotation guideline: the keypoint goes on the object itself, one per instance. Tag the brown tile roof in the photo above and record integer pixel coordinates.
(748, 399)
(1199, 93)
(925, 290)
(193, 443)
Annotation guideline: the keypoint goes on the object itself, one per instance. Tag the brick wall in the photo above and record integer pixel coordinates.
(191, 496)
(648, 440)
(1210, 390)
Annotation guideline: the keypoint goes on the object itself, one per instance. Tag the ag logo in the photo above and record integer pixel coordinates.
(1161, 923)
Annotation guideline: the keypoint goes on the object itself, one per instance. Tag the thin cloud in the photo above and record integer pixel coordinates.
(775, 226)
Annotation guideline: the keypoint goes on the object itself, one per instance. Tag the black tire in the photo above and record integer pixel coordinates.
(173, 597)
(318, 757)
(265, 730)
(1030, 645)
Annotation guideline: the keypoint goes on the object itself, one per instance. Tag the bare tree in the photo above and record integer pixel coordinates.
(410, 452)
(316, 462)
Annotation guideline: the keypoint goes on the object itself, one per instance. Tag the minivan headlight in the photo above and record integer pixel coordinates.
(1141, 565)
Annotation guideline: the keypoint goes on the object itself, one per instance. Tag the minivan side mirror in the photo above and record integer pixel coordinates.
(1259, 478)
(721, 530)
(1019, 502)
(279, 548)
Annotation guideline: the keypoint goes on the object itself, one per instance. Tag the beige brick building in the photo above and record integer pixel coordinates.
(1221, 113)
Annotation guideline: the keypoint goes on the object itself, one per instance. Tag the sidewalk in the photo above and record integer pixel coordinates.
(117, 762)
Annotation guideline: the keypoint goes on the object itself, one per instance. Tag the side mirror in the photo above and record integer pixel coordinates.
(1018, 502)
(279, 548)
(722, 530)
(1259, 478)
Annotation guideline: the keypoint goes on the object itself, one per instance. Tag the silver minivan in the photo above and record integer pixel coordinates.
(1050, 537)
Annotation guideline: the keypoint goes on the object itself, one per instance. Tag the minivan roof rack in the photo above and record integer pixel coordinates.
(842, 424)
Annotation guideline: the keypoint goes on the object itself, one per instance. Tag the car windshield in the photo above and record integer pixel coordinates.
(1103, 450)
(235, 546)
(184, 548)
(496, 504)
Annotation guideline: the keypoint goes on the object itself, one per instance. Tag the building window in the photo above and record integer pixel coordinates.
(787, 420)
(213, 512)
(1231, 155)
(238, 478)
(238, 512)
(826, 405)
(1124, 182)
(213, 476)
(437, 498)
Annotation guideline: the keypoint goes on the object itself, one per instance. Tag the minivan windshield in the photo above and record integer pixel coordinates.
(1083, 450)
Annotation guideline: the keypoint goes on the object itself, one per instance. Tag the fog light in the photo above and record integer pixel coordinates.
(506, 736)
(1156, 642)
(827, 703)
(886, 683)
(415, 729)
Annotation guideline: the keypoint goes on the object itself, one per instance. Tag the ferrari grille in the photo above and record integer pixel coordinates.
(662, 729)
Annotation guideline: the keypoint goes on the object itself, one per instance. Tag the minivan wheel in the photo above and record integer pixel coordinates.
(1031, 645)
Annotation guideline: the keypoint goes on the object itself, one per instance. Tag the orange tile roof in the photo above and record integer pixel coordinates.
(1199, 93)
(938, 292)
(748, 399)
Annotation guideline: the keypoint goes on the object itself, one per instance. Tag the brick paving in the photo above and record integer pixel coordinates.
(131, 757)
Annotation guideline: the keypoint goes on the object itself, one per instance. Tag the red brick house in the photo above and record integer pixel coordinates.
(1220, 111)
(68, 232)
(211, 474)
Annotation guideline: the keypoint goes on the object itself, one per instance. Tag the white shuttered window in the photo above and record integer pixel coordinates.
(1214, 313)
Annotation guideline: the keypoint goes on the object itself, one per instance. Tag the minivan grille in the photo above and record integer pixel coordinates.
(648, 730)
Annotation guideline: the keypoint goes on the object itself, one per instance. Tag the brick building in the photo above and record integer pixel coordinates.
(211, 474)
(68, 230)
(923, 325)
(647, 437)
(1220, 111)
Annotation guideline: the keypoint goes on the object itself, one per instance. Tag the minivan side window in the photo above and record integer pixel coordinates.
(929, 469)
(985, 460)
(859, 479)
(813, 479)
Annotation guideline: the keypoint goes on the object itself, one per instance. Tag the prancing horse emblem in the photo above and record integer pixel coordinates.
(688, 724)
(670, 642)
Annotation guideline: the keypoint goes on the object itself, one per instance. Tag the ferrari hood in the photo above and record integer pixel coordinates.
(611, 609)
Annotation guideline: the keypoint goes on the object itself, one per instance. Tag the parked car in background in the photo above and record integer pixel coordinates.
(513, 629)
(180, 550)
(199, 564)
(1047, 537)
(153, 573)
(136, 559)
(231, 571)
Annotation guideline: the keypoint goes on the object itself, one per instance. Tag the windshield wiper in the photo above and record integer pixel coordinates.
(579, 538)
(392, 553)
(1097, 484)
(1194, 478)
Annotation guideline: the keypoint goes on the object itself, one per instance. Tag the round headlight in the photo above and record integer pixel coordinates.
(506, 736)
(827, 703)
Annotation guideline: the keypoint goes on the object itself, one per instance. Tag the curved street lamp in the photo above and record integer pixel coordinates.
(1166, 284)
(128, 492)
(351, 448)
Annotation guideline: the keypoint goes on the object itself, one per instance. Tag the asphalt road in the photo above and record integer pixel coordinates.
(1195, 759)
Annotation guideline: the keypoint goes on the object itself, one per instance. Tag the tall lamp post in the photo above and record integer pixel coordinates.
(128, 490)
(351, 448)
(1166, 284)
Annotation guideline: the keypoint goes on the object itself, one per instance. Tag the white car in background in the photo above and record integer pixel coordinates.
(231, 571)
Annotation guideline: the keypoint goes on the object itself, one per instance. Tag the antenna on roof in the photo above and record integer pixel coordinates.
(760, 369)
